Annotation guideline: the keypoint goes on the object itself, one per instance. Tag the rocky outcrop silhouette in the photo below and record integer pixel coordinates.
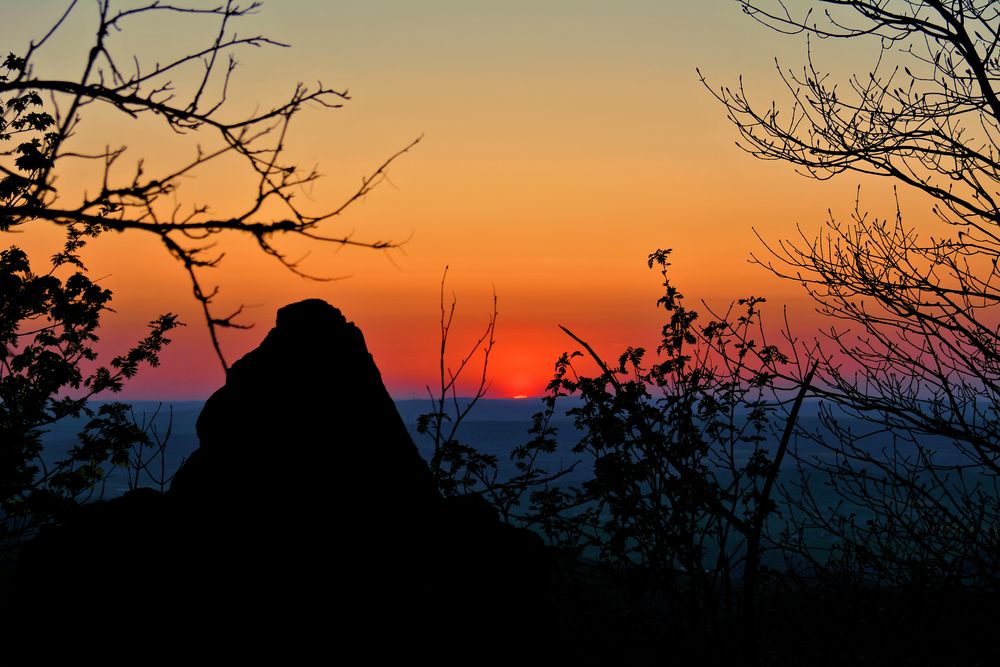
(306, 517)
(306, 415)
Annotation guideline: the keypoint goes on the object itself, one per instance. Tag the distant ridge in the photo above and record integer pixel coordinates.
(488, 409)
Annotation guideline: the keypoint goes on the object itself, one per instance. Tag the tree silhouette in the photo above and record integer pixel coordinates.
(187, 94)
(686, 447)
(932, 124)
(914, 350)
(48, 329)
(49, 320)
(459, 468)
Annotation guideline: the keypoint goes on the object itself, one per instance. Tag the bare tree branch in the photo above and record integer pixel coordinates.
(36, 138)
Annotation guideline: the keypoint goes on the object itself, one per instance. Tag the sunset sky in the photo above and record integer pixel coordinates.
(563, 141)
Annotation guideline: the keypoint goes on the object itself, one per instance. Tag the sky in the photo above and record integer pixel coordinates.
(561, 142)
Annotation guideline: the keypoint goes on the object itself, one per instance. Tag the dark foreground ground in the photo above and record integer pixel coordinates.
(589, 620)
(827, 625)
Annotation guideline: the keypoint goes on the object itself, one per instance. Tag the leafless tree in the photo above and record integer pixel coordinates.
(460, 467)
(914, 348)
(42, 117)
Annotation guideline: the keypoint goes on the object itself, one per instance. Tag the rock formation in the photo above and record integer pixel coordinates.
(306, 415)
(306, 518)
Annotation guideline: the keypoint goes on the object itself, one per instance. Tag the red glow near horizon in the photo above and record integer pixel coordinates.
(558, 228)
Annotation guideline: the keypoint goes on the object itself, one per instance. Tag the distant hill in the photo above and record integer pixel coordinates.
(488, 409)
(493, 426)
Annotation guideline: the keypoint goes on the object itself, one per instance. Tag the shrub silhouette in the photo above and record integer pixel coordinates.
(48, 330)
(684, 454)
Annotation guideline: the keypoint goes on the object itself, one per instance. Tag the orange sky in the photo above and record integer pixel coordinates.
(562, 143)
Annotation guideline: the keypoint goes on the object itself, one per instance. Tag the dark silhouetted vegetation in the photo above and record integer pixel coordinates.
(913, 348)
(48, 330)
(49, 321)
(715, 523)
(461, 468)
(883, 531)
(686, 448)
(907, 366)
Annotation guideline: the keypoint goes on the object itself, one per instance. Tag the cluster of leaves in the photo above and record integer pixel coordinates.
(685, 453)
(49, 370)
(48, 333)
(26, 133)
(461, 468)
